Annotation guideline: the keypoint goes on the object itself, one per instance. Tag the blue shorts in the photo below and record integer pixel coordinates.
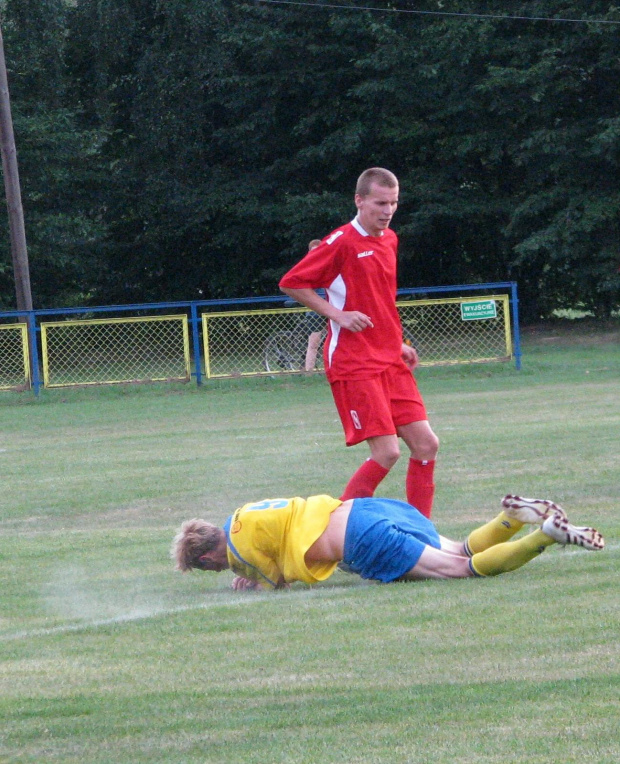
(385, 538)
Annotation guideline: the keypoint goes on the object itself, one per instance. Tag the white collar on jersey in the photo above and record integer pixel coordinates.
(356, 224)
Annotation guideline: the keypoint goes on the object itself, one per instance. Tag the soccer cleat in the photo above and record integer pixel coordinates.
(558, 527)
(530, 511)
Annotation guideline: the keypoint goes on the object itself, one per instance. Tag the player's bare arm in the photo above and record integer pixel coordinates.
(352, 320)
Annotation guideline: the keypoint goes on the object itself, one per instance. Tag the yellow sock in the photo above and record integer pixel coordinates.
(510, 555)
(500, 529)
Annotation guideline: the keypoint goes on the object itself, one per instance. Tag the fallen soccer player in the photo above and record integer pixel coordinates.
(274, 542)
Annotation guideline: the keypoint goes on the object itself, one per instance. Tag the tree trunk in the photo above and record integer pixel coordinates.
(17, 230)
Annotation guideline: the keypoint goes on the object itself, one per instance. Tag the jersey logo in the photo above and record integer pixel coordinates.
(334, 236)
(236, 527)
(267, 504)
(356, 420)
(366, 253)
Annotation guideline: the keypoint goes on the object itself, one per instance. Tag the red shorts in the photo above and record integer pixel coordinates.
(377, 406)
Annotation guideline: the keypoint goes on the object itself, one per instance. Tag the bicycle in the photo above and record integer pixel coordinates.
(286, 350)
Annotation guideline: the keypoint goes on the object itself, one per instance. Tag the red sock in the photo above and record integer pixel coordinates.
(364, 481)
(420, 485)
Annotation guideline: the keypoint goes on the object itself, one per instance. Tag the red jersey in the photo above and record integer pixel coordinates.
(358, 272)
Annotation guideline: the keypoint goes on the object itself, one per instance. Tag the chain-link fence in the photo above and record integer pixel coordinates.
(14, 357)
(243, 343)
(106, 351)
(458, 330)
(150, 346)
(445, 331)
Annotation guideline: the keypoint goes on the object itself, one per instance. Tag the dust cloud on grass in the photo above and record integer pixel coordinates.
(84, 602)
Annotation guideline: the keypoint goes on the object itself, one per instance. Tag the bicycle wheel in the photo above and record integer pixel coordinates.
(282, 352)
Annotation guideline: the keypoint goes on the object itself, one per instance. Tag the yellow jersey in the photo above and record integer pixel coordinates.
(269, 539)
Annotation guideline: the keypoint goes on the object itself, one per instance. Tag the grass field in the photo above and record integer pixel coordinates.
(108, 655)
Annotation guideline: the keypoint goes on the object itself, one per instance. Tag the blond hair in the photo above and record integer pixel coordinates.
(377, 175)
(196, 537)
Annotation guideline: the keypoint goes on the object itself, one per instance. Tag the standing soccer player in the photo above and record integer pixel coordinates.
(368, 366)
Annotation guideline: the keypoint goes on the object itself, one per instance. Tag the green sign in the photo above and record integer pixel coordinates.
(474, 311)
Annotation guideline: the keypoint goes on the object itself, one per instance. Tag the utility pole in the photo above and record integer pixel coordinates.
(17, 230)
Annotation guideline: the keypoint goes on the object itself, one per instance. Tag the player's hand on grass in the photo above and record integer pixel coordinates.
(240, 584)
(281, 584)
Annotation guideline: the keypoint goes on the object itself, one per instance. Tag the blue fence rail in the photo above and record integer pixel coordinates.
(34, 318)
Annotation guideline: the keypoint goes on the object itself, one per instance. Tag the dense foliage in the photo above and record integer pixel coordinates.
(179, 149)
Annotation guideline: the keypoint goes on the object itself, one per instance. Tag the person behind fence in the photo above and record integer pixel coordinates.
(315, 326)
(275, 542)
(367, 364)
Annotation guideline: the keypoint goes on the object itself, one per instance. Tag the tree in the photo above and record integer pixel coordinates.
(184, 149)
(59, 185)
(518, 155)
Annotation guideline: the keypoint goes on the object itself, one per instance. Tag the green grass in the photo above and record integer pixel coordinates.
(107, 655)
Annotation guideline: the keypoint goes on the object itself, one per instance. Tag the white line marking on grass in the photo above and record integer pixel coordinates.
(226, 599)
(138, 615)
(221, 600)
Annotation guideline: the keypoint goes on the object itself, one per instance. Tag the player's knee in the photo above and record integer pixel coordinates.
(436, 563)
(421, 440)
(426, 447)
(391, 459)
(386, 457)
(432, 445)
